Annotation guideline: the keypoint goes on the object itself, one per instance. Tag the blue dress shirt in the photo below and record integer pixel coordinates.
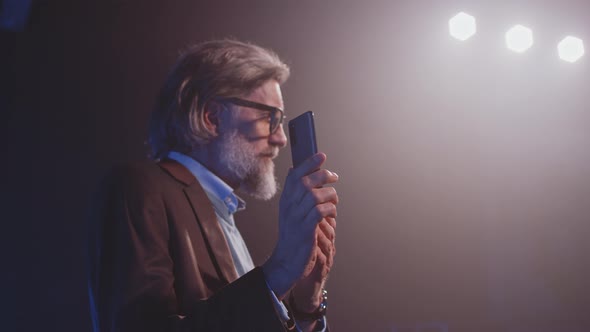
(226, 203)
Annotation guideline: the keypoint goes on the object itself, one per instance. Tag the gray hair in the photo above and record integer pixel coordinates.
(219, 68)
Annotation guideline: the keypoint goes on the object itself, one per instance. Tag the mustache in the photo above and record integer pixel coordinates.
(271, 153)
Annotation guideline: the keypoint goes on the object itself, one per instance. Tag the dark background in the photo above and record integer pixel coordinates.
(465, 168)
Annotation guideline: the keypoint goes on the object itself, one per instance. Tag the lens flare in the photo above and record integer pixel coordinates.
(570, 49)
(519, 38)
(462, 26)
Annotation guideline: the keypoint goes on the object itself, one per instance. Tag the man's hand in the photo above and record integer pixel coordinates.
(303, 242)
(307, 293)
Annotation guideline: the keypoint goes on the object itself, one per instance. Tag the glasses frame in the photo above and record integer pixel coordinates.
(273, 126)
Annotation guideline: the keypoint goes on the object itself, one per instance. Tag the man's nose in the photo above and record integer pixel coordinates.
(278, 138)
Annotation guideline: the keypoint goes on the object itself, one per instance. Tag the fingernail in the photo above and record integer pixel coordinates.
(317, 157)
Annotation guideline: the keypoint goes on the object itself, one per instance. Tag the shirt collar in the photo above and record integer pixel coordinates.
(211, 182)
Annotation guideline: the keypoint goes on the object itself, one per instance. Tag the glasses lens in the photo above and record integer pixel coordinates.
(275, 121)
(276, 115)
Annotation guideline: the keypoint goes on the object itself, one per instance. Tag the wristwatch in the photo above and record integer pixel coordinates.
(319, 313)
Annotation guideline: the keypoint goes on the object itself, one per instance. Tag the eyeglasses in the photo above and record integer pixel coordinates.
(276, 117)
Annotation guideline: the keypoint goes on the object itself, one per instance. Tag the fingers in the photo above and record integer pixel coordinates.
(328, 228)
(331, 222)
(309, 175)
(307, 193)
(319, 178)
(311, 264)
(325, 254)
(311, 164)
(319, 212)
(326, 237)
(299, 188)
(318, 196)
(322, 260)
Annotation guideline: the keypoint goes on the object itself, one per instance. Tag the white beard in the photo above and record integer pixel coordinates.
(254, 171)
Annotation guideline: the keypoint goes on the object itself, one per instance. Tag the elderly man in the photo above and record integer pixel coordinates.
(165, 254)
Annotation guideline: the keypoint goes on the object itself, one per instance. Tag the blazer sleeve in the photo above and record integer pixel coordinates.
(131, 279)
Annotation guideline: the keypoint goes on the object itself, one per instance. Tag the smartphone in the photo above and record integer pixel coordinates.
(302, 137)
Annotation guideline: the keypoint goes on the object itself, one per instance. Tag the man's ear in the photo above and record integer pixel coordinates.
(211, 113)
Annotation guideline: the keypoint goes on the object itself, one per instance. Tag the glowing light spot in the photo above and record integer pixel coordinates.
(570, 49)
(462, 26)
(519, 38)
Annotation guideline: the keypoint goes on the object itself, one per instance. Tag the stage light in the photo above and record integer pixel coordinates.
(519, 38)
(570, 49)
(462, 26)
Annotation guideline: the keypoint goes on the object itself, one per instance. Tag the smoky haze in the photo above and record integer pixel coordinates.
(464, 167)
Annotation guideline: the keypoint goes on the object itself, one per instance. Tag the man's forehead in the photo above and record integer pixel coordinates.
(268, 93)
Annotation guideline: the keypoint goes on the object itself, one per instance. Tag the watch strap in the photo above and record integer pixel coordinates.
(319, 313)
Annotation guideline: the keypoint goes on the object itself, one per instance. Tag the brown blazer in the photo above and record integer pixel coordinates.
(159, 260)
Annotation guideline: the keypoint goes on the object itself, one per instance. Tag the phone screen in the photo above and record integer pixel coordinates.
(302, 137)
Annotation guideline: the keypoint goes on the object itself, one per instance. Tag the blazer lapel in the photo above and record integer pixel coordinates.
(215, 241)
